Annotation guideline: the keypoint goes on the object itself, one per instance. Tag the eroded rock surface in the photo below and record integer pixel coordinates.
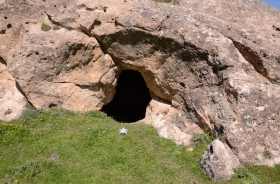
(207, 64)
(171, 123)
(12, 101)
(218, 161)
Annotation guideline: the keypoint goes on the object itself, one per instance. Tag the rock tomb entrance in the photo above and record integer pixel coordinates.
(131, 98)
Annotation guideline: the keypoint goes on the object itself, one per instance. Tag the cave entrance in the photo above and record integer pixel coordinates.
(131, 99)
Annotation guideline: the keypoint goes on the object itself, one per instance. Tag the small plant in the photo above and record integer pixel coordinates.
(55, 27)
(202, 138)
(274, 81)
(222, 139)
(247, 176)
(267, 154)
(249, 165)
(241, 173)
(45, 27)
(9, 111)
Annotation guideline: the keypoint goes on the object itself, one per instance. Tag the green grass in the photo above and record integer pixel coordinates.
(91, 150)
(257, 175)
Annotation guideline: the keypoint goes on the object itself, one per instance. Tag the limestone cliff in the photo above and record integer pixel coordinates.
(208, 64)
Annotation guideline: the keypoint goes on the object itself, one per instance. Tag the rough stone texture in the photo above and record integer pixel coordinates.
(65, 69)
(170, 122)
(218, 161)
(11, 100)
(207, 64)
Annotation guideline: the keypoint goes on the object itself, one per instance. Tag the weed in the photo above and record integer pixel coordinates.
(202, 138)
(249, 165)
(222, 138)
(243, 173)
(274, 81)
(267, 154)
(45, 27)
(9, 111)
(55, 27)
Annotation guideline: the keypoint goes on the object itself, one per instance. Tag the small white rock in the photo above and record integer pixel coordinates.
(123, 131)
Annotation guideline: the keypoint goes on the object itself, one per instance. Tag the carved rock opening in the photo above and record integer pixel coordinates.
(131, 99)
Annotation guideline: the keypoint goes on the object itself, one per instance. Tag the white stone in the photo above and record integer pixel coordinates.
(123, 131)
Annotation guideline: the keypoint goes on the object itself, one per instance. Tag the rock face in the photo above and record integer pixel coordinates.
(218, 161)
(208, 64)
(11, 100)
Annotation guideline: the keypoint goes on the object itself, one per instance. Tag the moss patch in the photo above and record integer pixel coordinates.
(55, 27)
(45, 27)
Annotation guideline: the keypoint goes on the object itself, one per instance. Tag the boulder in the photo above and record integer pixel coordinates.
(218, 161)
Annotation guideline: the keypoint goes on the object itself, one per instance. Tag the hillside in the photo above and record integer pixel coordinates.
(90, 150)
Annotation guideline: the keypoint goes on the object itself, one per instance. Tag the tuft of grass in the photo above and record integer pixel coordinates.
(55, 27)
(202, 139)
(96, 114)
(91, 150)
(245, 175)
(45, 27)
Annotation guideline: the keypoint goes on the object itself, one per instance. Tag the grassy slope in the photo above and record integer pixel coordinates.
(92, 151)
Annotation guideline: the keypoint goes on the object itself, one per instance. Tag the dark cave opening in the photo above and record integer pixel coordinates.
(131, 99)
